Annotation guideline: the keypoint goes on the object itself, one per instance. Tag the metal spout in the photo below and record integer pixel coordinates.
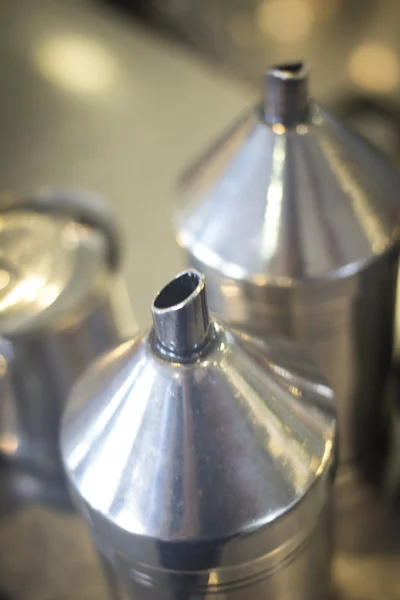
(286, 94)
(180, 314)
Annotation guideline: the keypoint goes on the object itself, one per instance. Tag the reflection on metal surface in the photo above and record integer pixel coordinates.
(43, 553)
(305, 225)
(360, 202)
(285, 20)
(375, 67)
(34, 265)
(273, 209)
(195, 450)
(75, 63)
(36, 251)
(56, 315)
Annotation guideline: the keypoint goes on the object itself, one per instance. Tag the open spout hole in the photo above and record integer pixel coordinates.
(178, 290)
(295, 70)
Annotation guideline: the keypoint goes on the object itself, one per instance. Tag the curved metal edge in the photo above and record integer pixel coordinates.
(82, 206)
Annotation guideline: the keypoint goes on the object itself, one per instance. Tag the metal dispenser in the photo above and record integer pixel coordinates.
(294, 221)
(203, 460)
(58, 260)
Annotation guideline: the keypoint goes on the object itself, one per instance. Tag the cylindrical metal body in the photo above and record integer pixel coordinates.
(294, 221)
(347, 326)
(292, 574)
(203, 460)
(56, 314)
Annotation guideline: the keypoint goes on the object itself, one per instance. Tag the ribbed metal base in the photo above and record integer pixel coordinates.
(46, 552)
(301, 576)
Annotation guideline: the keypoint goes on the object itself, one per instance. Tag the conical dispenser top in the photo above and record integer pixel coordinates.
(202, 459)
(287, 196)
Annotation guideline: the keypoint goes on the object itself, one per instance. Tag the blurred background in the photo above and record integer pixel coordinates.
(119, 96)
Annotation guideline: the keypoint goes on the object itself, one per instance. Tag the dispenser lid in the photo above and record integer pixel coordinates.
(289, 194)
(192, 438)
(48, 263)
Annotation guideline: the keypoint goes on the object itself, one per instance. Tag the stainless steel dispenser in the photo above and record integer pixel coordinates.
(294, 221)
(59, 255)
(203, 459)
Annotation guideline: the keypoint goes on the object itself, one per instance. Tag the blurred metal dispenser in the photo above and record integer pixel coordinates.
(203, 460)
(294, 220)
(59, 255)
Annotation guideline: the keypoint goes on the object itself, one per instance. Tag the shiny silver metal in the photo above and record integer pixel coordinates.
(182, 326)
(286, 95)
(203, 460)
(100, 138)
(294, 220)
(57, 265)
